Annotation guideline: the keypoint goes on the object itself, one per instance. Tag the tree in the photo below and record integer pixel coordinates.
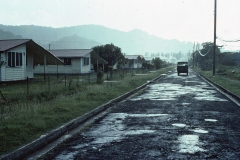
(157, 62)
(226, 58)
(110, 53)
(179, 55)
(146, 54)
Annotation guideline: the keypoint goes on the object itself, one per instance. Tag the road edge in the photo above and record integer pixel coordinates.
(49, 137)
(235, 98)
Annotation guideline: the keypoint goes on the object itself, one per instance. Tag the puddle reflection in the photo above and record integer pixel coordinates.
(198, 130)
(147, 115)
(190, 144)
(210, 120)
(179, 125)
(170, 91)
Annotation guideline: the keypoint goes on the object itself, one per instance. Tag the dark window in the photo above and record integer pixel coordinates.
(67, 61)
(11, 59)
(14, 59)
(85, 61)
(18, 59)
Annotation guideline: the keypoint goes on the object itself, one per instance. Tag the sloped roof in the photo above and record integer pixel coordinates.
(96, 59)
(71, 53)
(148, 58)
(9, 44)
(140, 58)
(131, 56)
(78, 53)
(33, 47)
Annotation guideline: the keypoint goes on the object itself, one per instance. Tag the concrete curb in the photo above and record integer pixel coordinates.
(236, 97)
(31, 147)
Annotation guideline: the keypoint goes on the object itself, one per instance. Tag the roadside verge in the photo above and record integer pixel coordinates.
(35, 145)
(235, 98)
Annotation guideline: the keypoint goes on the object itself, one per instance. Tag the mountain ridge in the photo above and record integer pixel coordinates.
(132, 42)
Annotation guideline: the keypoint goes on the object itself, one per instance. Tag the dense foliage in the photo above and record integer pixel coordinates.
(158, 63)
(112, 54)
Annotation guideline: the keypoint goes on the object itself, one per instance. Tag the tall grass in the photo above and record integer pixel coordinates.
(224, 77)
(25, 119)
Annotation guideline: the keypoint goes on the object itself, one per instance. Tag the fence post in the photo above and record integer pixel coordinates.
(65, 80)
(27, 87)
(78, 79)
(3, 97)
(89, 80)
(48, 84)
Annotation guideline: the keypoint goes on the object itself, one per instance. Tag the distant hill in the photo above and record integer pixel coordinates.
(8, 35)
(72, 42)
(133, 42)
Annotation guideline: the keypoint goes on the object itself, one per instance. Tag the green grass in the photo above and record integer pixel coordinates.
(226, 79)
(25, 119)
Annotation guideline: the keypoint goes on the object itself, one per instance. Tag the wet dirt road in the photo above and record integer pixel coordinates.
(177, 117)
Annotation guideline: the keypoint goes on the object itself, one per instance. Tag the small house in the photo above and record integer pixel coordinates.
(76, 61)
(18, 59)
(148, 60)
(134, 61)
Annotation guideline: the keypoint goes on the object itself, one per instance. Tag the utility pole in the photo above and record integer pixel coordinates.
(214, 46)
(193, 53)
(196, 58)
(189, 56)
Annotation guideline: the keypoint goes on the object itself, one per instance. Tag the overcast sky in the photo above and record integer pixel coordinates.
(185, 20)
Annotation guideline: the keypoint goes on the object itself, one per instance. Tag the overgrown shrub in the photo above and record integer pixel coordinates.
(110, 70)
(121, 75)
(221, 70)
(70, 82)
(100, 75)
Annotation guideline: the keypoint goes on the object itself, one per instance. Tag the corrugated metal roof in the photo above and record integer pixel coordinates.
(9, 44)
(71, 53)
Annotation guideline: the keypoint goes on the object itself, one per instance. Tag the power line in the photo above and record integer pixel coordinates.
(205, 53)
(236, 40)
(227, 44)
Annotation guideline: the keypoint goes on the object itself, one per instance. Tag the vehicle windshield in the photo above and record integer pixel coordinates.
(182, 64)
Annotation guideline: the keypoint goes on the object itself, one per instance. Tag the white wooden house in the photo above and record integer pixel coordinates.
(76, 61)
(134, 61)
(148, 60)
(19, 56)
